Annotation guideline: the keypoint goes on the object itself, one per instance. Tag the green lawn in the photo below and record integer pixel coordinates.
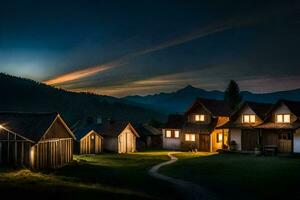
(107, 176)
(235, 176)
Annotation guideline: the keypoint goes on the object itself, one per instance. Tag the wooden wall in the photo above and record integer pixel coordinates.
(91, 144)
(14, 150)
(127, 141)
(52, 153)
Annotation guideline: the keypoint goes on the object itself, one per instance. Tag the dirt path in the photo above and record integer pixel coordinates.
(189, 190)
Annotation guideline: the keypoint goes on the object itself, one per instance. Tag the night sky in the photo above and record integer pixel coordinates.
(142, 47)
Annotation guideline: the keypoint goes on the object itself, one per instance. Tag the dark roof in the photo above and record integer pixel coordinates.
(29, 125)
(175, 121)
(110, 128)
(261, 109)
(200, 127)
(81, 132)
(147, 130)
(215, 107)
(294, 106)
(273, 125)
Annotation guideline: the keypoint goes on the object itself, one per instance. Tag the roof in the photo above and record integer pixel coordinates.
(200, 128)
(147, 130)
(81, 132)
(107, 128)
(260, 109)
(29, 125)
(294, 106)
(215, 107)
(273, 125)
(175, 121)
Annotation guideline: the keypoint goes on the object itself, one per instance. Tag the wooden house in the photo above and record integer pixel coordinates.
(150, 137)
(197, 128)
(281, 127)
(89, 141)
(36, 140)
(243, 124)
(120, 137)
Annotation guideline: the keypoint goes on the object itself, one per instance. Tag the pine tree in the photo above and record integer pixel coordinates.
(232, 95)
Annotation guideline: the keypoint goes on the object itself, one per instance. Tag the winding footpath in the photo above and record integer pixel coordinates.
(189, 190)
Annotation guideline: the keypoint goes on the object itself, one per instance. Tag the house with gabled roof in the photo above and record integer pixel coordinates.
(197, 129)
(281, 127)
(36, 140)
(243, 124)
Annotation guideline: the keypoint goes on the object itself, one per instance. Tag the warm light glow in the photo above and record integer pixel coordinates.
(283, 118)
(168, 133)
(176, 134)
(248, 119)
(32, 156)
(199, 118)
(190, 137)
(92, 137)
(220, 137)
(1, 127)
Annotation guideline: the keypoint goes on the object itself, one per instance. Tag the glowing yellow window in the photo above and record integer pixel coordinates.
(168, 133)
(199, 118)
(287, 118)
(176, 134)
(190, 137)
(248, 118)
(219, 137)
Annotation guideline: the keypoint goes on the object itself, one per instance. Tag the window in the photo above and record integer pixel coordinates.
(176, 134)
(219, 137)
(248, 118)
(283, 118)
(168, 134)
(199, 118)
(190, 137)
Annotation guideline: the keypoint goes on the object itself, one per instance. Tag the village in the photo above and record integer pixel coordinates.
(41, 142)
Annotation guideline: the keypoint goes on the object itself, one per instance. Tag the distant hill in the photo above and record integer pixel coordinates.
(180, 100)
(24, 95)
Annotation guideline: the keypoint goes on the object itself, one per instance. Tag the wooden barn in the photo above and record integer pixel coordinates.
(89, 141)
(36, 140)
(118, 136)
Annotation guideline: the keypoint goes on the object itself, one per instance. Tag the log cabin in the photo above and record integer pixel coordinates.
(35, 140)
(88, 141)
(197, 128)
(243, 124)
(150, 137)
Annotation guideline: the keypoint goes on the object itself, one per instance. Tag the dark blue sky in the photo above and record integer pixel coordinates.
(140, 47)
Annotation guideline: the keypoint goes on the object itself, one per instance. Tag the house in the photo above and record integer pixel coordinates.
(36, 140)
(118, 136)
(281, 127)
(150, 137)
(89, 141)
(197, 128)
(243, 124)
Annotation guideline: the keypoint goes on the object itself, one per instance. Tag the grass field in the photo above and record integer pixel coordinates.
(106, 176)
(235, 176)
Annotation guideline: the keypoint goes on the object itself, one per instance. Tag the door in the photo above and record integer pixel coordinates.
(204, 142)
(249, 140)
(92, 143)
(285, 142)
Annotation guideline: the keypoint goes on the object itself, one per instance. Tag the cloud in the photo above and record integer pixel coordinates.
(199, 33)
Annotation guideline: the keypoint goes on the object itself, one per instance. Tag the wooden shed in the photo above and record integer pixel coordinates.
(36, 140)
(119, 136)
(89, 141)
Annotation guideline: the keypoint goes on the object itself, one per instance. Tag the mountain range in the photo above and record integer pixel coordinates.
(180, 100)
(24, 95)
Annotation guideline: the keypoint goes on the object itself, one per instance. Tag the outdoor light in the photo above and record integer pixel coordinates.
(1, 127)
(92, 137)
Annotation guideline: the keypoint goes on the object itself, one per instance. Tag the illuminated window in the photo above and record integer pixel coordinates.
(176, 134)
(286, 118)
(199, 118)
(190, 137)
(248, 118)
(219, 137)
(168, 134)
